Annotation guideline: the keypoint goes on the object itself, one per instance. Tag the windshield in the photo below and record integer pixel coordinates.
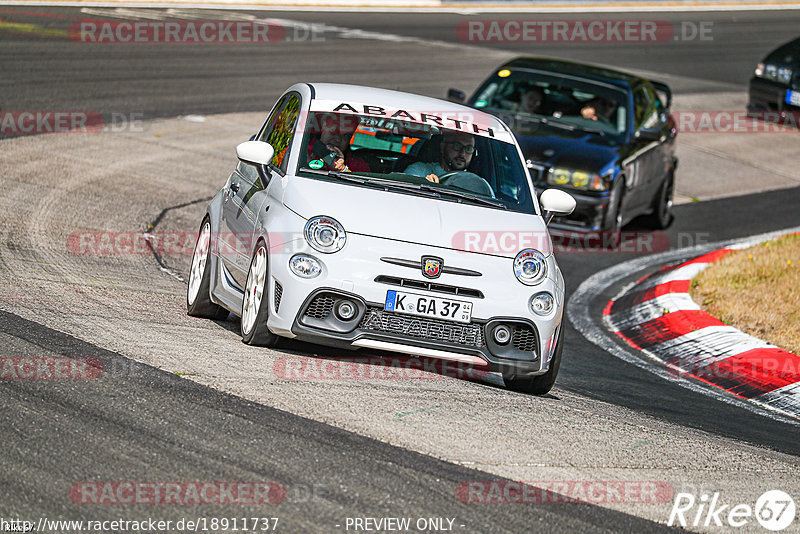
(412, 158)
(525, 97)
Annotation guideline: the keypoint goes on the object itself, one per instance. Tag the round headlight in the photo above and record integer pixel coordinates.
(542, 303)
(530, 267)
(305, 266)
(325, 234)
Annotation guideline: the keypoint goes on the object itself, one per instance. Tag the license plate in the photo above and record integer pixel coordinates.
(793, 98)
(427, 306)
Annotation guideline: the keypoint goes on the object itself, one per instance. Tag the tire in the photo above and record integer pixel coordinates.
(612, 222)
(541, 384)
(662, 204)
(198, 293)
(255, 303)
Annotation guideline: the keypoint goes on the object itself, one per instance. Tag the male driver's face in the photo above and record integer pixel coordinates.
(457, 150)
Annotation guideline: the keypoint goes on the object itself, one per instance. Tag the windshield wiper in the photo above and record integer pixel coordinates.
(386, 184)
(336, 174)
(464, 196)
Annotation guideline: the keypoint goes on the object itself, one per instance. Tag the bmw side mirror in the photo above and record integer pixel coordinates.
(255, 153)
(556, 202)
(648, 134)
(454, 95)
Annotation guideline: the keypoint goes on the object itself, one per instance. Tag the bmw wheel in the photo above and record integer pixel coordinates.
(198, 295)
(612, 223)
(255, 304)
(662, 206)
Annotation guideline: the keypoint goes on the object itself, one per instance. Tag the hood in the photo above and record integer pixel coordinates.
(415, 219)
(786, 54)
(574, 149)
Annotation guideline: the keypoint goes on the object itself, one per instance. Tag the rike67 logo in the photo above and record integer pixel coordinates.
(774, 510)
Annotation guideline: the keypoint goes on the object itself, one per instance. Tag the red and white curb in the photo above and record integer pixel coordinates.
(657, 316)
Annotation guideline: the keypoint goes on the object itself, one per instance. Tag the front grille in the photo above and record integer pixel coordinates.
(524, 338)
(429, 286)
(278, 295)
(378, 320)
(320, 307)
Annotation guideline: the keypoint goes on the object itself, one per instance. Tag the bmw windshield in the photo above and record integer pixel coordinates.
(464, 163)
(524, 99)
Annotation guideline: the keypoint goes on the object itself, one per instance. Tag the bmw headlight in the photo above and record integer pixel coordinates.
(774, 72)
(325, 234)
(576, 179)
(784, 75)
(530, 267)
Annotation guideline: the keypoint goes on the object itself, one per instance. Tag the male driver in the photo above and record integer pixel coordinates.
(455, 154)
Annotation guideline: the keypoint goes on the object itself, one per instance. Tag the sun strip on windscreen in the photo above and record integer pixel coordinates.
(467, 121)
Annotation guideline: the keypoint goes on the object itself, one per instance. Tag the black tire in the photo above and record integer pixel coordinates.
(541, 384)
(612, 222)
(202, 306)
(662, 204)
(258, 335)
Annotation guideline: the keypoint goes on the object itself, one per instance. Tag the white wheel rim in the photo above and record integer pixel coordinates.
(254, 290)
(199, 259)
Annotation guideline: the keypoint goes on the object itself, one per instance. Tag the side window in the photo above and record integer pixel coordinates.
(280, 132)
(248, 171)
(644, 108)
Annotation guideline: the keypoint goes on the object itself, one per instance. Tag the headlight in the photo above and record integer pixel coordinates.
(325, 234)
(305, 266)
(784, 75)
(530, 267)
(576, 179)
(774, 72)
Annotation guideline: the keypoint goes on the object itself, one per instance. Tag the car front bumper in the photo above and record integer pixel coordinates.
(305, 307)
(768, 95)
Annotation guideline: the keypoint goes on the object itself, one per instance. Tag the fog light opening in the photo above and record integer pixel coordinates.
(542, 303)
(346, 310)
(305, 266)
(502, 334)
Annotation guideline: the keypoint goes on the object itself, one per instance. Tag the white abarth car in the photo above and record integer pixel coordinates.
(368, 218)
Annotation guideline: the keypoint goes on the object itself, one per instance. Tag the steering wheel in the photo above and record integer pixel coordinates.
(468, 181)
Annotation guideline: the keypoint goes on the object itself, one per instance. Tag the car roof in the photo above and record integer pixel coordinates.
(395, 99)
(584, 70)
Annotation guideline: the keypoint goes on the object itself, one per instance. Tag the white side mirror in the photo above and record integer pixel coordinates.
(556, 202)
(255, 152)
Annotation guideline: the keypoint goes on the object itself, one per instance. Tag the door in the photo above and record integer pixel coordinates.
(642, 172)
(246, 193)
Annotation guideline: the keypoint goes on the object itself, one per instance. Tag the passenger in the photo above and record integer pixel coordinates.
(455, 154)
(336, 131)
(531, 100)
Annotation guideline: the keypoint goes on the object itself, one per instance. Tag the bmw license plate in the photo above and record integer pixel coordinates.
(427, 306)
(793, 98)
